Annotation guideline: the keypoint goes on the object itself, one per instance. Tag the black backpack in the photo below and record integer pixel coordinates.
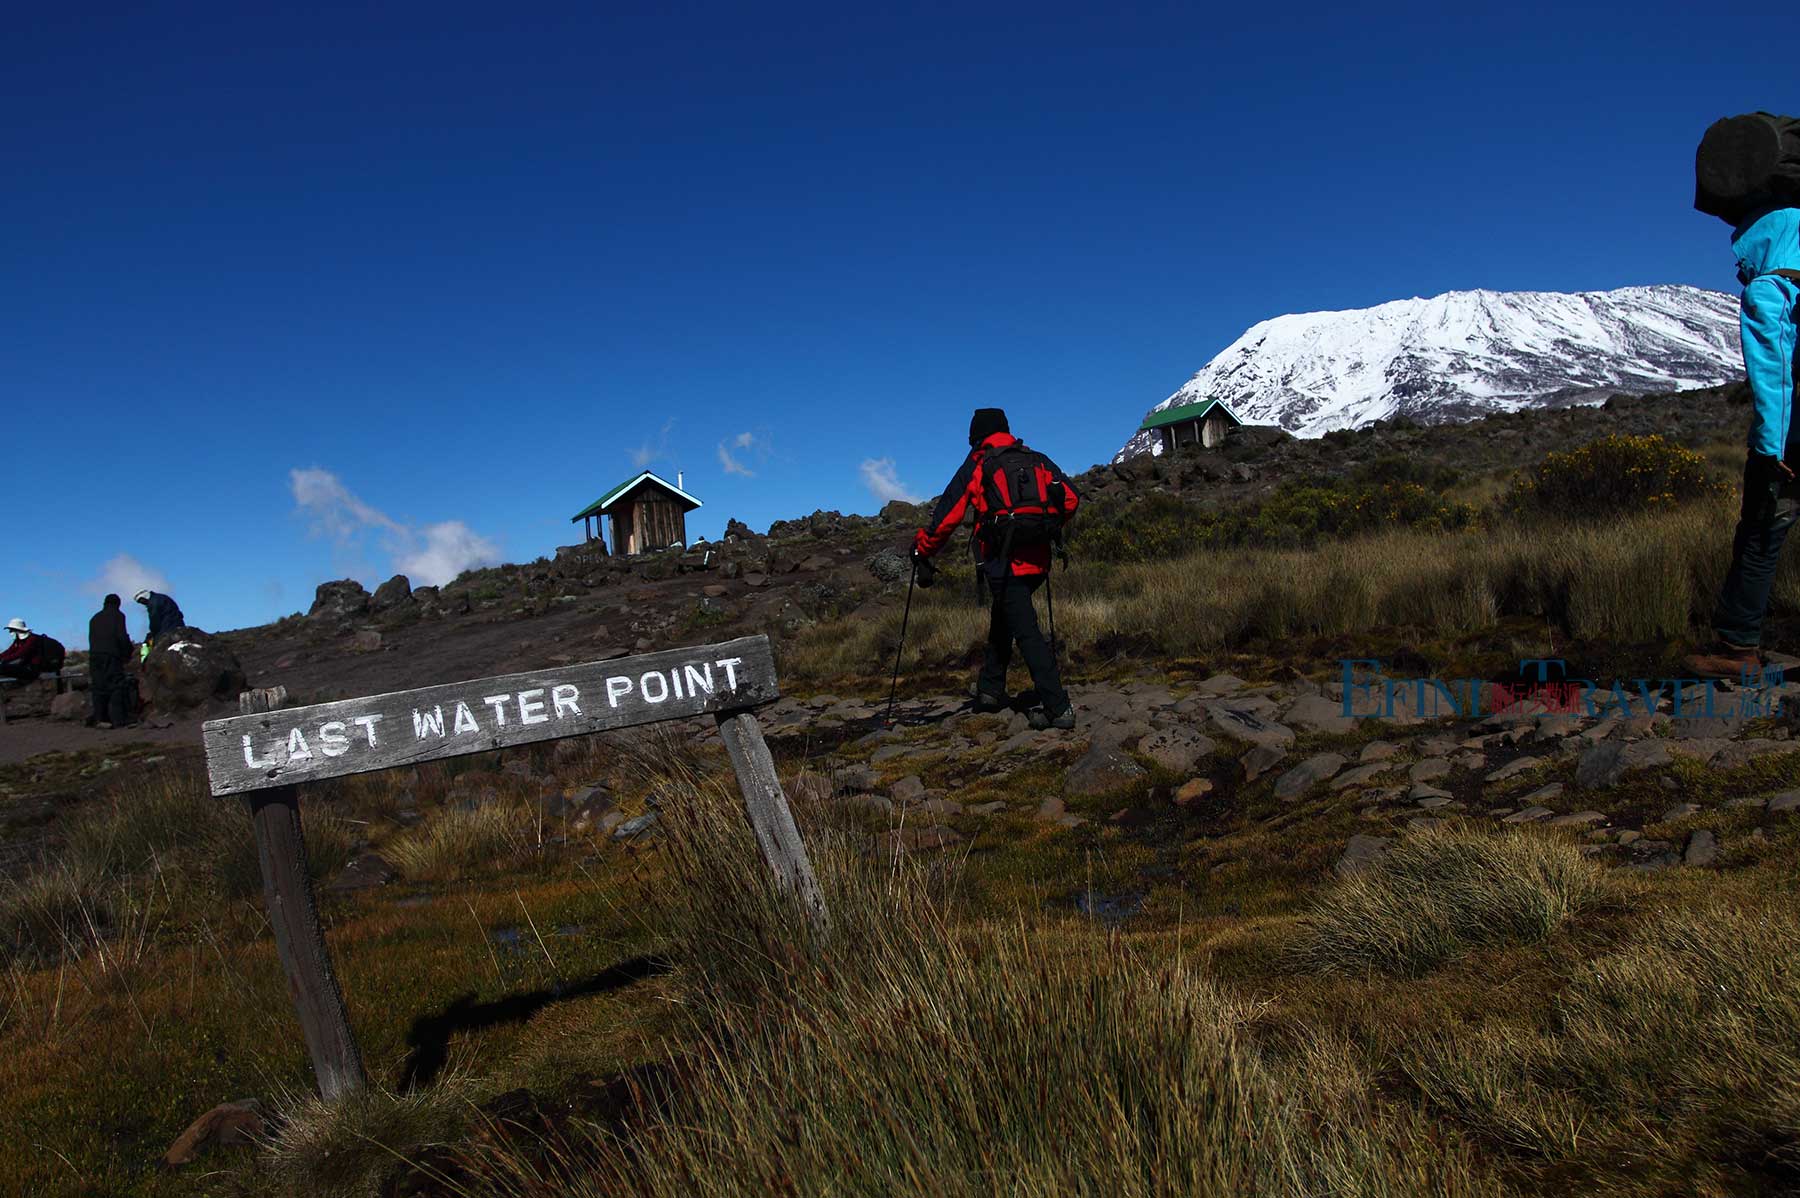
(50, 655)
(1745, 163)
(1025, 502)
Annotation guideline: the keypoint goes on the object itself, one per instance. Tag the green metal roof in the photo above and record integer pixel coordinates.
(606, 500)
(1185, 413)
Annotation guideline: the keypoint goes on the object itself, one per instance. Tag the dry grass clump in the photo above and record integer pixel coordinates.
(457, 841)
(353, 1148)
(1670, 1065)
(905, 1054)
(1643, 577)
(1438, 894)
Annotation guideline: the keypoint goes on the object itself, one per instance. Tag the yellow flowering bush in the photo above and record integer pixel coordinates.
(1614, 474)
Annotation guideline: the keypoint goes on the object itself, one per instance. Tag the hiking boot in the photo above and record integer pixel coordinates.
(986, 702)
(1724, 661)
(1042, 720)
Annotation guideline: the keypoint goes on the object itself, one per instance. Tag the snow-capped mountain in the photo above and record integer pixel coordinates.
(1464, 354)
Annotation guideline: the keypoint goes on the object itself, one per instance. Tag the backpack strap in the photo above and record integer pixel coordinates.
(1792, 276)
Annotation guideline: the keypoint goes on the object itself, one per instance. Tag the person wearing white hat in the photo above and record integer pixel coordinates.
(165, 615)
(30, 654)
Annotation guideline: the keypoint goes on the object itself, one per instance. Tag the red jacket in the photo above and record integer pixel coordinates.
(966, 491)
(36, 651)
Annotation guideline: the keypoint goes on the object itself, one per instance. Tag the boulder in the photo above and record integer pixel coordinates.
(1702, 849)
(1316, 713)
(392, 593)
(368, 641)
(344, 599)
(1193, 791)
(1303, 777)
(189, 670)
(71, 705)
(1177, 750)
(1236, 721)
(1605, 763)
(1104, 769)
(1360, 854)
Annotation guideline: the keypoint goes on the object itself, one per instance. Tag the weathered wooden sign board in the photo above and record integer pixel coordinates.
(268, 750)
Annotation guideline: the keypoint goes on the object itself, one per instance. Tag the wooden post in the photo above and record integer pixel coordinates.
(294, 915)
(767, 808)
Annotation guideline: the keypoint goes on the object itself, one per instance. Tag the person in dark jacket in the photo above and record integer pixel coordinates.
(109, 647)
(30, 654)
(165, 614)
(1014, 573)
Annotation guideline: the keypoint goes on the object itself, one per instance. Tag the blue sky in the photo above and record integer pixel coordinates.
(290, 293)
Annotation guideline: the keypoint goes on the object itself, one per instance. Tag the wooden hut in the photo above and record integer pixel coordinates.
(1201, 424)
(647, 514)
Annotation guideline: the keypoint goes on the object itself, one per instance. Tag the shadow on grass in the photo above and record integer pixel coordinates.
(429, 1038)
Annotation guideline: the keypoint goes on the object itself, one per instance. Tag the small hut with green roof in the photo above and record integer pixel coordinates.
(647, 513)
(1201, 424)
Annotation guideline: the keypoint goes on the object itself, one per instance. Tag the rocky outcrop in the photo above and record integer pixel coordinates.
(188, 671)
(392, 593)
(339, 601)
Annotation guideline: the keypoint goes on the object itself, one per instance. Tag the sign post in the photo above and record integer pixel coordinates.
(270, 749)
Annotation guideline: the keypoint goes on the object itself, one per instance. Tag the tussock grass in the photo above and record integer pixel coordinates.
(353, 1148)
(1670, 1065)
(906, 1053)
(1639, 578)
(1439, 894)
(457, 841)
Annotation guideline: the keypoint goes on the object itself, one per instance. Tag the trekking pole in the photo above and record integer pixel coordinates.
(898, 649)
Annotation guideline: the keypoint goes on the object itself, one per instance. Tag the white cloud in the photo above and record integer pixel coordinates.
(651, 451)
(731, 465)
(125, 576)
(879, 476)
(450, 548)
(429, 556)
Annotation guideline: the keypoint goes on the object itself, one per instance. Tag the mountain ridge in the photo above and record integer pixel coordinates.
(1463, 354)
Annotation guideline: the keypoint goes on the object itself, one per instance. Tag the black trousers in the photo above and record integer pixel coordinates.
(106, 684)
(1013, 618)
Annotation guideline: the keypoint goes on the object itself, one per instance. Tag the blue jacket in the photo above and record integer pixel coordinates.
(1770, 241)
(165, 615)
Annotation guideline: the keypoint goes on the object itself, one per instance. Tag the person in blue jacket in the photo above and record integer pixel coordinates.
(1767, 245)
(165, 614)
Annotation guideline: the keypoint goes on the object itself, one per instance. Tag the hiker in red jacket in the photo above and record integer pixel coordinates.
(1021, 500)
(30, 654)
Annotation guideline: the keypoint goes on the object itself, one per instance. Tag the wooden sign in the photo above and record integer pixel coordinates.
(268, 749)
(354, 736)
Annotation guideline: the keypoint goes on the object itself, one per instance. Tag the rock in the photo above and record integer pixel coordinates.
(1429, 770)
(1543, 794)
(852, 778)
(1427, 795)
(940, 807)
(756, 580)
(366, 871)
(1680, 811)
(1196, 789)
(877, 803)
(636, 826)
(1177, 750)
(368, 641)
(715, 591)
(1261, 760)
(1516, 766)
(1307, 774)
(1578, 819)
(1605, 763)
(915, 840)
(1103, 769)
(909, 789)
(990, 808)
(1222, 684)
(1743, 802)
(70, 705)
(889, 566)
(1786, 801)
(1378, 750)
(1360, 854)
(1236, 721)
(338, 601)
(1702, 849)
(1529, 815)
(1316, 713)
(189, 670)
(228, 1125)
(1435, 800)
(392, 593)
(1360, 775)
(1050, 810)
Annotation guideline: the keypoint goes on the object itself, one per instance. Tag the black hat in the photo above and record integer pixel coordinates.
(112, 601)
(986, 423)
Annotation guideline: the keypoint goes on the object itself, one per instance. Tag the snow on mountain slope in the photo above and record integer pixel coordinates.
(1464, 354)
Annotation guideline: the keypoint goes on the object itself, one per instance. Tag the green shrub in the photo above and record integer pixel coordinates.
(1611, 476)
